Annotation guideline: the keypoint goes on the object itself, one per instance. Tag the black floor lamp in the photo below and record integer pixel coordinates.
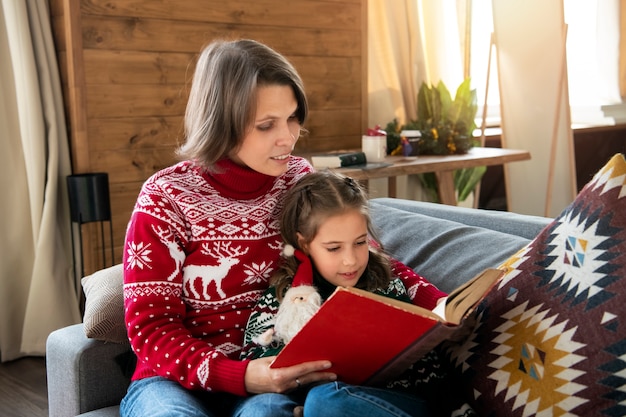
(90, 202)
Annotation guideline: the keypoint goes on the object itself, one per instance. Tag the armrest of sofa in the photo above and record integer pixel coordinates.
(85, 374)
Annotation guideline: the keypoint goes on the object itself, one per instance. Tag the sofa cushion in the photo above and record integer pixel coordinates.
(445, 252)
(515, 224)
(104, 305)
(550, 340)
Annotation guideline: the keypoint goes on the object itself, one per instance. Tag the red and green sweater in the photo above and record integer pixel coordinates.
(200, 248)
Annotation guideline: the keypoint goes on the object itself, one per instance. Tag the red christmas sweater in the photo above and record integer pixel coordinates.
(200, 248)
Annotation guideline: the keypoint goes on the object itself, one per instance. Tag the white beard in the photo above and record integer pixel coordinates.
(299, 305)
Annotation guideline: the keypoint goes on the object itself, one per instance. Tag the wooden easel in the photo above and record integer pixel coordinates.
(483, 124)
(555, 130)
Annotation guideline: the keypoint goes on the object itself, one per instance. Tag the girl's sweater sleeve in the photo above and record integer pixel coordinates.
(422, 292)
(261, 320)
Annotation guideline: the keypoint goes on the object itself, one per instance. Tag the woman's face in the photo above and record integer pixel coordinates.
(340, 248)
(267, 146)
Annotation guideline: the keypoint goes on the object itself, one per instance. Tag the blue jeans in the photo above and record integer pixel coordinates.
(160, 397)
(339, 399)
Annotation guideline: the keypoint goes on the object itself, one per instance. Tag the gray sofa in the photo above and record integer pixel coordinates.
(447, 245)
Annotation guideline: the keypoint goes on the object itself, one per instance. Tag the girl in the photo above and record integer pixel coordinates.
(329, 242)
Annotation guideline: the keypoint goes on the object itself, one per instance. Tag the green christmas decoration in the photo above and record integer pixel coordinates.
(446, 127)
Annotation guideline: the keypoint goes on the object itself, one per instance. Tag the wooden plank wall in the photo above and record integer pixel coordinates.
(126, 67)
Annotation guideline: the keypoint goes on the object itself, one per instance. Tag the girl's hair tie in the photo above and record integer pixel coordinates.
(351, 183)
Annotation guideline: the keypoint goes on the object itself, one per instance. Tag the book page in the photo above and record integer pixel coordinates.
(403, 305)
(462, 300)
(440, 309)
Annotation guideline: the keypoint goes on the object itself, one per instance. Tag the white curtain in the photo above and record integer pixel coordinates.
(593, 44)
(535, 104)
(410, 42)
(37, 288)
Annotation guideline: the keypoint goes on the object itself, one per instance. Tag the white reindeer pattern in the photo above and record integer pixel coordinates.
(226, 258)
(167, 238)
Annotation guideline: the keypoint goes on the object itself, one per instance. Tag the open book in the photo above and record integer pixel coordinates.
(370, 339)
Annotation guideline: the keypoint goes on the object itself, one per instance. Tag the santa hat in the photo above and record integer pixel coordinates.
(304, 274)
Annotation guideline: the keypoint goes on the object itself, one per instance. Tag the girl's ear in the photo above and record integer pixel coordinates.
(302, 244)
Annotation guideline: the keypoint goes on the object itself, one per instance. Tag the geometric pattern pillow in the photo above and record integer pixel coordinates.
(550, 340)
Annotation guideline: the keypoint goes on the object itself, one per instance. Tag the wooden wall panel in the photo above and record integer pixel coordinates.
(135, 133)
(293, 13)
(183, 36)
(126, 66)
(112, 100)
(136, 67)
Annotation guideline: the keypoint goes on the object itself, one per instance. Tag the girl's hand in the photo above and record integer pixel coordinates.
(260, 378)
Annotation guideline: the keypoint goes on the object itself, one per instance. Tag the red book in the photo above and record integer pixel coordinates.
(370, 339)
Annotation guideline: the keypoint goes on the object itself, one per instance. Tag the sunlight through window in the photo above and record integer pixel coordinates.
(592, 59)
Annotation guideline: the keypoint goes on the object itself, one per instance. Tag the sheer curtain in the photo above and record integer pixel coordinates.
(37, 289)
(409, 42)
(593, 44)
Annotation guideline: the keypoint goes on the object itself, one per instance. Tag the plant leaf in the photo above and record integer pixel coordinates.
(465, 106)
(428, 106)
(424, 104)
(466, 179)
(446, 103)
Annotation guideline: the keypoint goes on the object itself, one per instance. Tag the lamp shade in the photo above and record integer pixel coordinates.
(89, 197)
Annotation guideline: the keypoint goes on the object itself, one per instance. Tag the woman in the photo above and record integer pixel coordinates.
(204, 238)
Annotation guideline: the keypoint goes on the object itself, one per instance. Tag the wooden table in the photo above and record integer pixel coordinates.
(442, 166)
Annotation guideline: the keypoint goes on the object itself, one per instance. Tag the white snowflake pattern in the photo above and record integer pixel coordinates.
(138, 255)
(258, 273)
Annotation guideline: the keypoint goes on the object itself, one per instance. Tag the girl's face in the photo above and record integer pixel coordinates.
(275, 130)
(340, 249)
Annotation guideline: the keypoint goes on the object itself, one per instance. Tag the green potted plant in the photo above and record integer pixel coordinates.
(446, 128)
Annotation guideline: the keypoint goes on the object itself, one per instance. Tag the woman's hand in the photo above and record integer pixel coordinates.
(260, 378)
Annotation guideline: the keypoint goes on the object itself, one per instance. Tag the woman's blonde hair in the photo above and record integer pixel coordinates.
(316, 197)
(222, 99)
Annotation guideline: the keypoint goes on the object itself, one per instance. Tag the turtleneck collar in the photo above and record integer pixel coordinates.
(326, 289)
(239, 182)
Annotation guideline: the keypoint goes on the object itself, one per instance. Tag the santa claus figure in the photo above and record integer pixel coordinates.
(300, 303)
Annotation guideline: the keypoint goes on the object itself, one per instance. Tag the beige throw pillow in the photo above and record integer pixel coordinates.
(104, 305)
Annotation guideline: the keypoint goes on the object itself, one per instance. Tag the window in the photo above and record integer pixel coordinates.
(592, 59)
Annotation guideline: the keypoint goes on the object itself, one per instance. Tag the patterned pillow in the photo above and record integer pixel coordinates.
(550, 340)
(104, 305)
